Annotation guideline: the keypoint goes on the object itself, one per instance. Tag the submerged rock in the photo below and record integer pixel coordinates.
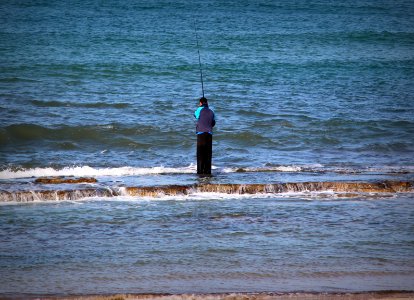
(153, 191)
(53, 195)
(275, 188)
(340, 189)
(59, 180)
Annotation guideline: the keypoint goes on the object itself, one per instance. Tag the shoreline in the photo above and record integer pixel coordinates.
(370, 295)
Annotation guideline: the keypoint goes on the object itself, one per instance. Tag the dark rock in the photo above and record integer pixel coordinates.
(59, 180)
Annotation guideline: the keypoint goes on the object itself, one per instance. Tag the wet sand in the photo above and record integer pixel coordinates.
(242, 296)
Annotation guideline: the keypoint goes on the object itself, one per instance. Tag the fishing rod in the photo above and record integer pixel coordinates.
(199, 59)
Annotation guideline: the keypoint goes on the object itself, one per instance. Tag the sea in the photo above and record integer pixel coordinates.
(312, 187)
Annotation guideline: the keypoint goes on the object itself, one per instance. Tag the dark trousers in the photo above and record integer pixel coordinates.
(204, 153)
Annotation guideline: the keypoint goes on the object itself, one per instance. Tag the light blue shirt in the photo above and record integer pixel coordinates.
(197, 116)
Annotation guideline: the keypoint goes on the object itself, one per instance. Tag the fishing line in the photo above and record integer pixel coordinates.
(199, 59)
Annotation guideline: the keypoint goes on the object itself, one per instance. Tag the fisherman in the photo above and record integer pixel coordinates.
(205, 123)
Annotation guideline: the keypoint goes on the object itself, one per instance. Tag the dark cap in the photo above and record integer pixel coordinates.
(203, 100)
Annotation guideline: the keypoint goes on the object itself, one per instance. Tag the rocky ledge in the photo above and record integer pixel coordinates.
(60, 180)
(342, 189)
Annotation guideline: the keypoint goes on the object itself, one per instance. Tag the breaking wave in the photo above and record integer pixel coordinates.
(318, 168)
(16, 173)
(89, 171)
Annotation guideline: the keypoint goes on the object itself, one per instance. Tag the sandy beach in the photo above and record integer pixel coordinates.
(384, 295)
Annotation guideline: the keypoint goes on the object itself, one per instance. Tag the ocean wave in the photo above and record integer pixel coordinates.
(244, 137)
(265, 169)
(42, 103)
(88, 171)
(103, 133)
(83, 171)
(16, 79)
(319, 168)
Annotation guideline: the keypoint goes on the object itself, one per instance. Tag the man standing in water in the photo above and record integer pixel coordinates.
(205, 123)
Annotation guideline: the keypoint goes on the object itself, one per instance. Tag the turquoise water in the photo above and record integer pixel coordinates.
(116, 84)
(302, 90)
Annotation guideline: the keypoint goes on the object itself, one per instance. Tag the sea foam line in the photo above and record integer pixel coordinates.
(93, 172)
(83, 171)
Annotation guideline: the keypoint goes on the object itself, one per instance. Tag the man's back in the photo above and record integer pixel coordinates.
(205, 119)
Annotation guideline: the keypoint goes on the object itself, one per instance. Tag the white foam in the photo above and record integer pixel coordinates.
(196, 196)
(212, 196)
(391, 169)
(266, 169)
(93, 172)
(87, 171)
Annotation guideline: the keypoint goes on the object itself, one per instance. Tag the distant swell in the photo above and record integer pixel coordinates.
(345, 189)
(42, 103)
(105, 133)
